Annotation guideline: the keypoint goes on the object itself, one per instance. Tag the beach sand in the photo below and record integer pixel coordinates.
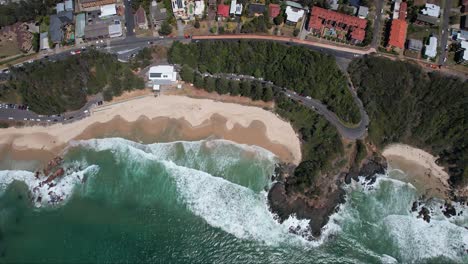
(152, 119)
(420, 167)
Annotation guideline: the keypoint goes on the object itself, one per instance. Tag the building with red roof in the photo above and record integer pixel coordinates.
(223, 10)
(398, 33)
(402, 11)
(274, 10)
(322, 20)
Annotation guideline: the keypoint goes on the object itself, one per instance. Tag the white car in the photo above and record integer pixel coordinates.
(308, 97)
(38, 120)
(10, 118)
(25, 119)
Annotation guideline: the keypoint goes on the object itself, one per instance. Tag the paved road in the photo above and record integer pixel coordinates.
(445, 29)
(377, 24)
(355, 132)
(129, 18)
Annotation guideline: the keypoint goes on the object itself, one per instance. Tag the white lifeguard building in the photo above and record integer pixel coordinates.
(162, 75)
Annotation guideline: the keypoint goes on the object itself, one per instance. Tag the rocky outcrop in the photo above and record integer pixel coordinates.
(318, 203)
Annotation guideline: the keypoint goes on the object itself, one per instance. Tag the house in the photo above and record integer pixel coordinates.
(44, 41)
(178, 8)
(162, 75)
(68, 5)
(96, 31)
(108, 11)
(256, 9)
(464, 22)
(223, 10)
(415, 44)
(236, 9)
(427, 20)
(158, 14)
(57, 24)
(92, 5)
(199, 8)
(333, 4)
(399, 9)
(115, 29)
(461, 56)
(60, 7)
(363, 12)
(431, 10)
(323, 21)
(431, 49)
(140, 18)
(462, 35)
(212, 5)
(274, 10)
(355, 3)
(80, 24)
(293, 15)
(397, 34)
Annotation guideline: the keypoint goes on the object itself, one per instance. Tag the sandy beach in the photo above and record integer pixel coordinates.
(420, 166)
(175, 117)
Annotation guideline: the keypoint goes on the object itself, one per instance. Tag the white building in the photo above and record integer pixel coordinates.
(162, 75)
(294, 14)
(108, 10)
(431, 10)
(236, 9)
(431, 49)
(464, 45)
(199, 8)
(115, 29)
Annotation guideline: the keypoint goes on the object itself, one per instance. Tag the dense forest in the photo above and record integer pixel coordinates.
(297, 68)
(320, 141)
(406, 104)
(56, 87)
(24, 11)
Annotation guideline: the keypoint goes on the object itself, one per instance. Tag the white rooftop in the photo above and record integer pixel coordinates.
(294, 14)
(115, 30)
(431, 10)
(464, 45)
(199, 8)
(60, 7)
(108, 10)
(431, 49)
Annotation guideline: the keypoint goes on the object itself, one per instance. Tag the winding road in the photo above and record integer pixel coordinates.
(354, 132)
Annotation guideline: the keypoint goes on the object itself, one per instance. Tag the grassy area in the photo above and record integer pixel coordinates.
(421, 32)
(9, 48)
(11, 96)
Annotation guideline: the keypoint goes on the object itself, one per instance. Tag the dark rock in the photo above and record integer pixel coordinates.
(414, 207)
(449, 210)
(425, 214)
(372, 166)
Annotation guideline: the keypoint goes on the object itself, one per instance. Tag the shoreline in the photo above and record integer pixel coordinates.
(420, 168)
(168, 118)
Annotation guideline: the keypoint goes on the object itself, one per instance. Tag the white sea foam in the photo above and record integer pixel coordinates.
(233, 208)
(55, 195)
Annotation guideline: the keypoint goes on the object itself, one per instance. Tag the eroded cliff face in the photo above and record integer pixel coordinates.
(319, 202)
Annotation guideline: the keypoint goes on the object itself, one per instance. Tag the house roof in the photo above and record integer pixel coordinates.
(93, 3)
(56, 23)
(256, 9)
(355, 3)
(44, 41)
(363, 11)
(68, 5)
(398, 33)
(427, 19)
(108, 10)
(358, 34)
(431, 10)
(94, 31)
(140, 16)
(431, 49)
(60, 7)
(223, 10)
(80, 25)
(402, 11)
(294, 14)
(158, 14)
(293, 4)
(274, 10)
(415, 44)
(319, 14)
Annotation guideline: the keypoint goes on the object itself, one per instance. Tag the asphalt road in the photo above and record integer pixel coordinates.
(129, 18)
(377, 24)
(355, 132)
(444, 35)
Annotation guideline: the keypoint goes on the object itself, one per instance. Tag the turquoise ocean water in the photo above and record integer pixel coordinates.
(204, 202)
